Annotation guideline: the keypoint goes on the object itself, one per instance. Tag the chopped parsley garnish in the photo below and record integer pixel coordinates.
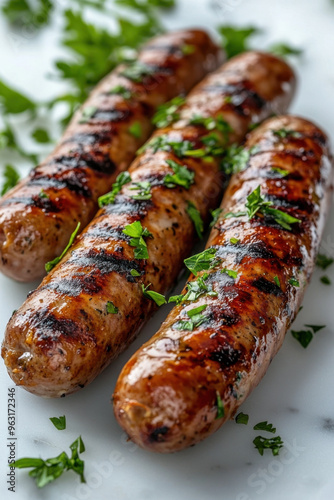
(274, 444)
(196, 318)
(136, 71)
(220, 407)
(236, 40)
(242, 418)
(230, 272)
(111, 308)
(201, 261)
(284, 133)
(42, 194)
(155, 296)
(122, 91)
(50, 265)
(11, 178)
(325, 280)
(304, 337)
(46, 471)
(168, 113)
(195, 289)
(195, 216)
(137, 233)
(122, 179)
(87, 113)
(234, 241)
(59, 422)
(323, 261)
(210, 123)
(256, 204)
(188, 49)
(136, 130)
(280, 171)
(182, 176)
(215, 216)
(41, 135)
(144, 190)
(277, 281)
(294, 282)
(264, 426)
(282, 50)
(236, 158)
(134, 273)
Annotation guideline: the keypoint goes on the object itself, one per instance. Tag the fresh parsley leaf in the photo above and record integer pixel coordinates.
(182, 175)
(134, 273)
(195, 319)
(201, 261)
(283, 50)
(236, 159)
(323, 261)
(50, 265)
(136, 130)
(294, 282)
(264, 426)
(274, 444)
(137, 233)
(280, 172)
(109, 198)
(144, 190)
(11, 178)
(59, 422)
(155, 296)
(168, 113)
(122, 91)
(195, 289)
(215, 216)
(27, 14)
(230, 272)
(46, 471)
(277, 281)
(136, 71)
(234, 241)
(304, 337)
(111, 308)
(220, 407)
(325, 280)
(13, 102)
(195, 216)
(236, 40)
(242, 418)
(210, 123)
(41, 135)
(284, 133)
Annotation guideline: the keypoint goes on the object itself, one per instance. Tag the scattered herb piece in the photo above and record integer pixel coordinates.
(144, 190)
(325, 280)
(242, 418)
(264, 426)
(111, 308)
(234, 241)
(277, 281)
(195, 216)
(137, 233)
(294, 282)
(137, 71)
(134, 273)
(136, 130)
(201, 261)
(274, 444)
(59, 422)
(323, 261)
(215, 216)
(188, 49)
(283, 50)
(11, 178)
(195, 289)
(196, 318)
(155, 296)
(41, 135)
(284, 133)
(168, 113)
(122, 91)
(230, 272)
(87, 113)
(122, 179)
(26, 14)
(220, 407)
(236, 40)
(304, 337)
(236, 159)
(50, 265)
(280, 171)
(182, 176)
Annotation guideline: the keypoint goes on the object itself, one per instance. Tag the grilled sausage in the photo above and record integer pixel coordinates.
(63, 336)
(38, 216)
(168, 395)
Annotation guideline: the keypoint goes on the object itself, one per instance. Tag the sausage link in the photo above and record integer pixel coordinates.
(62, 337)
(166, 396)
(38, 216)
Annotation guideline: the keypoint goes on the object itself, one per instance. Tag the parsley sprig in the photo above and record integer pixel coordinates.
(168, 113)
(50, 265)
(196, 318)
(109, 198)
(195, 289)
(137, 234)
(182, 175)
(304, 337)
(201, 261)
(158, 298)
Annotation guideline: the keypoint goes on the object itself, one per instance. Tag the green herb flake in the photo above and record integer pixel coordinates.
(325, 280)
(236, 159)
(215, 216)
(136, 71)
(195, 216)
(280, 171)
(210, 123)
(236, 40)
(59, 422)
(168, 113)
(137, 233)
(264, 426)
(42, 194)
(323, 261)
(196, 318)
(284, 133)
(136, 130)
(87, 114)
(11, 178)
(109, 198)
(201, 261)
(188, 49)
(194, 290)
(277, 281)
(41, 135)
(50, 265)
(234, 241)
(182, 176)
(304, 337)
(294, 282)
(158, 298)
(144, 190)
(134, 273)
(230, 272)
(220, 407)
(274, 444)
(283, 50)
(46, 471)
(122, 91)
(242, 418)
(111, 308)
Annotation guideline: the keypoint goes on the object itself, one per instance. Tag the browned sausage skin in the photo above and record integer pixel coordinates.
(62, 337)
(99, 143)
(166, 395)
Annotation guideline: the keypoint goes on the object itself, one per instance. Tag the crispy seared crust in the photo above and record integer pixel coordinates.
(35, 229)
(166, 395)
(62, 337)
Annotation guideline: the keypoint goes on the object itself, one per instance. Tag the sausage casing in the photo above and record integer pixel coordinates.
(62, 336)
(167, 396)
(38, 216)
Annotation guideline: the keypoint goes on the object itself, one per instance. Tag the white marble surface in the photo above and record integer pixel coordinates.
(296, 395)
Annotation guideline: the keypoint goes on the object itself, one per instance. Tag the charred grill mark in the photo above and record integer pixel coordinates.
(34, 201)
(253, 250)
(158, 434)
(242, 96)
(105, 233)
(302, 204)
(51, 329)
(110, 115)
(267, 286)
(104, 262)
(83, 160)
(75, 182)
(225, 356)
(88, 139)
(75, 285)
(126, 205)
